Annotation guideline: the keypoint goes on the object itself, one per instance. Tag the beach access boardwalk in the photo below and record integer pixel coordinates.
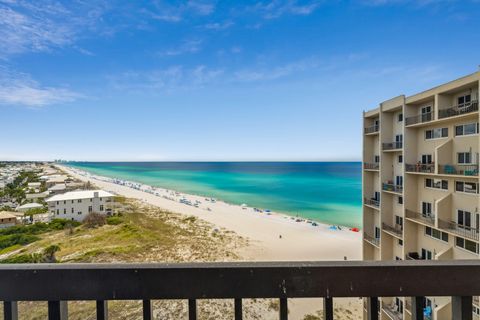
(59, 283)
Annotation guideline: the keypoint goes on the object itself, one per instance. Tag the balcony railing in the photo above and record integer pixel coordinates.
(425, 218)
(371, 166)
(372, 129)
(397, 229)
(459, 230)
(392, 145)
(421, 118)
(237, 281)
(392, 312)
(420, 167)
(462, 170)
(372, 240)
(458, 110)
(372, 202)
(392, 187)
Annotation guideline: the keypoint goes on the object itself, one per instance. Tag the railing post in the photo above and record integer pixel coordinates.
(102, 310)
(372, 308)
(417, 308)
(147, 310)
(283, 309)
(238, 309)
(57, 310)
(327, 308)
(10, 310)
(462, 307)
(192, 309)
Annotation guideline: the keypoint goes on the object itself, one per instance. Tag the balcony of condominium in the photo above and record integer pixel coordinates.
(104, 284)
(454, 104)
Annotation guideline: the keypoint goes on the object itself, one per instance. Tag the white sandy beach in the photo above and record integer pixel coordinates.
(300, 241)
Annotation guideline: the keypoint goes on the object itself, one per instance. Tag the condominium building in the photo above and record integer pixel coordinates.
(76, 205)
(420, 183)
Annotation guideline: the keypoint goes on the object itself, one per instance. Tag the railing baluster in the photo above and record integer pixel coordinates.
(192, 309)
(462, 307)
(10, 310)
(417, 308)
(372, 308)
(102, 310)
(327, 308)
(57, 310)
(147, 310)
(238, 309)
(283, 309)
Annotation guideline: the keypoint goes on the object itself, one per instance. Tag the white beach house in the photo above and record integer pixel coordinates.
(76, 205)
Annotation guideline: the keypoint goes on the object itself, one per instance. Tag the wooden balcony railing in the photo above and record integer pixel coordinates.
(458, 229)
(59, 283)
(457, 110)
(372, 129)
(420, 167)
(371, 166)
(421, 118)
(428, 219)
(462, 170)
(392, 145)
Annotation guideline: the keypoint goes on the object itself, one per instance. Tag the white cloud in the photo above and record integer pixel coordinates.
(277, 8)
(177, 13)
(29, 26)
(20, 89)
(189, 46)
(219, 25)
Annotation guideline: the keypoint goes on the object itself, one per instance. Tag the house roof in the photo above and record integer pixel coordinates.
(74, 195)
(7, 215)
(30, 206)
(57, 187)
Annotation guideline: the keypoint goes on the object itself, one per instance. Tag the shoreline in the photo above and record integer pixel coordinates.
(275, 236)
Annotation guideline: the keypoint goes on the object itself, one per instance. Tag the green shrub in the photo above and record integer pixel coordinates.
(114, 220)
(14, 239)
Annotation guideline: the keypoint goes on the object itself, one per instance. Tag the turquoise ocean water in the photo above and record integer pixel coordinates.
(328, 192)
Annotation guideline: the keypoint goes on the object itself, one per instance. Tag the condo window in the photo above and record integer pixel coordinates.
(90, 209)
(72, 210)
(464, 219)
(436, 183)
(79, 200)
(399, 221)
(426, 158)
(467, 187)
(400, 200)
(466, 244)
(437, 234)
(466, 129)
(400, 242)
(436, 133)
(377, 159)
(400, 159)
(64, 211)
(400, 117)
(464, 158)
(101, 207)
(462, 100)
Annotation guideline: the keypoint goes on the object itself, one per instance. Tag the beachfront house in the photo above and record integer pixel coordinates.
(57, 188)
(28, 206)
(76, 205)
(7, 220)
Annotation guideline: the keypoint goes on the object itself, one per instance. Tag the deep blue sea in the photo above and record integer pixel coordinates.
(328, 192)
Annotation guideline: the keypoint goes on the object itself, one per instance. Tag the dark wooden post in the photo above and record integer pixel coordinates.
(327, 308)
(417, 308)
(57, 310)
(10, 310)
(462, 308)
(372, 308)
(102, 310)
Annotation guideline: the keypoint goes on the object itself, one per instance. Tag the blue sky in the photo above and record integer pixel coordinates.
(217, 80)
